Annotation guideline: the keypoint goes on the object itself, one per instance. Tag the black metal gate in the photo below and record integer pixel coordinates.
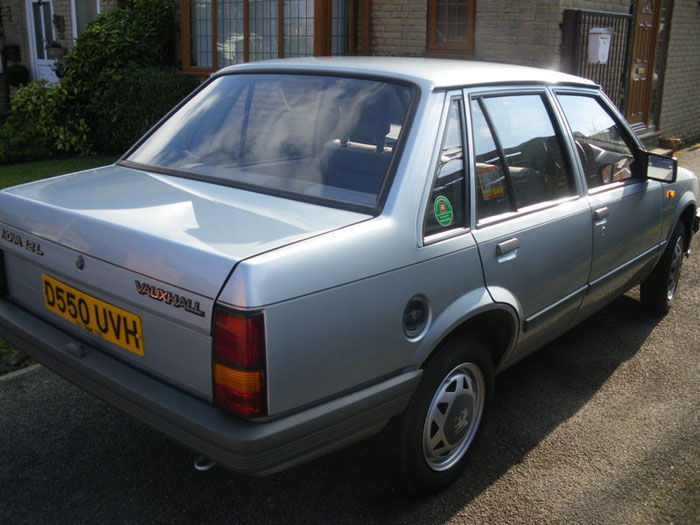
(613, 75)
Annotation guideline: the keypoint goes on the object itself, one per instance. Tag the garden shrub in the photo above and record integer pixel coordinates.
(41, 123)
(142, 34)
(116, 82)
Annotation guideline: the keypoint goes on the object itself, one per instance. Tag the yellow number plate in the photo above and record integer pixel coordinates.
(109, 322)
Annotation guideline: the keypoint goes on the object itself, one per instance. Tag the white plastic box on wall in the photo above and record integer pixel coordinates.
(599, 42)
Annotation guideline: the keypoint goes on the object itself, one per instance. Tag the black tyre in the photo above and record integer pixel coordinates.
(658, 290)
(445, 416)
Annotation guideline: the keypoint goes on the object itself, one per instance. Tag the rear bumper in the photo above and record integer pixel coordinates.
(251, 448)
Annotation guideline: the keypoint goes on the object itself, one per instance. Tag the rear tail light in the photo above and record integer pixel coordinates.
(238, 370)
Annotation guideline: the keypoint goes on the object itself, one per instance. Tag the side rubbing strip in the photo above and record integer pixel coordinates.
(3, 276)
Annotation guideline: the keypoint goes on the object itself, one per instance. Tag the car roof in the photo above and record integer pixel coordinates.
(432, 73)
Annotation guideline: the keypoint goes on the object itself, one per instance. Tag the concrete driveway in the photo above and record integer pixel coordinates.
(601, 426)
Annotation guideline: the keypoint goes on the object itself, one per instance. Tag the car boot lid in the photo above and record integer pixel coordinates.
(183, 232)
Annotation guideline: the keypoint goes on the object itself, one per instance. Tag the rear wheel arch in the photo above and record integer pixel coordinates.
(497, 328)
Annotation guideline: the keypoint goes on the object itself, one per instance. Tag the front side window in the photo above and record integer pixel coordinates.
(516, 132)
(446, 205)
(605, 155)
(319, 137)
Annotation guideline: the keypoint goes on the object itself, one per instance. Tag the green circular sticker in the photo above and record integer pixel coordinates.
(443, 211)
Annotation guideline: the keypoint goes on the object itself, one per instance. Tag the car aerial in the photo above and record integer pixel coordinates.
(307, 251)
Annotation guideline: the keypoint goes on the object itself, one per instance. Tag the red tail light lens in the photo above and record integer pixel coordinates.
(238, 370)
(239, 339)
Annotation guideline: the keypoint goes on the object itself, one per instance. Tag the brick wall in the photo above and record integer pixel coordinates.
(63, 8)
(524, 32)
(528, 32)
(399, 28)
(680, 108)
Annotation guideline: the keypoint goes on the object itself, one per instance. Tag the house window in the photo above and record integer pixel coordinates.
(83, 11)
(219, 33)
(451, 25)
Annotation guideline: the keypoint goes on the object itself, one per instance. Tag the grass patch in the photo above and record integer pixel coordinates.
(14, 174)
(7, 352)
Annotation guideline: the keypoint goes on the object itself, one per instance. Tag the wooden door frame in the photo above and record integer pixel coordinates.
(323, 28)
(650, 123)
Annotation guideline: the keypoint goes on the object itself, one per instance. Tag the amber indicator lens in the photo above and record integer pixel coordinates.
(238, 371)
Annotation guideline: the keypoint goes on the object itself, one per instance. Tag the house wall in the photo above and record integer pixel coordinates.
(680, 108)
(528, 32)
(15, 32)
(524, 32)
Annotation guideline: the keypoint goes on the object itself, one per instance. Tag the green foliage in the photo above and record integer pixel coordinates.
(137, 36)
(126, 109)
(117, 81)
(40, 123)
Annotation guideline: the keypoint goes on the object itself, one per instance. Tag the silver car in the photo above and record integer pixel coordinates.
(305, 250)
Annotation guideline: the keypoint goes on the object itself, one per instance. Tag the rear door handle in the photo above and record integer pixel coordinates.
(508, 246)
(601, 213)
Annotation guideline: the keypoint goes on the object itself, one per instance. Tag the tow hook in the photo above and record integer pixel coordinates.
(203, 463)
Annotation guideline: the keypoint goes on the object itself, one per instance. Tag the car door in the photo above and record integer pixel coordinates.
(626, 208)
(532, 227)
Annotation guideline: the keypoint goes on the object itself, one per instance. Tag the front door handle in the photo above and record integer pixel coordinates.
(601, 213)
(508, 246)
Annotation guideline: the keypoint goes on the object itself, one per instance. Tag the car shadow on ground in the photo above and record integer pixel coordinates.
(104, 456)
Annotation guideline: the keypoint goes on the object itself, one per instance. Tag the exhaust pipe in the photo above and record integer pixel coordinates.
(203, 463)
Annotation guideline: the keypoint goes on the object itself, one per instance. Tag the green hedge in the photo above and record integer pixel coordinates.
(41, 123)
(125, 110)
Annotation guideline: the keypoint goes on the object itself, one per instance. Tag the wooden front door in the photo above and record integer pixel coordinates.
(647, 18)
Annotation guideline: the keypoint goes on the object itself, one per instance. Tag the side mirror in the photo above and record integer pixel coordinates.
(660, 167)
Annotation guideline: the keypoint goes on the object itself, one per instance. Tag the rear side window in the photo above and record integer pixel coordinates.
(605, 155)
(446, 205)
(516, 132)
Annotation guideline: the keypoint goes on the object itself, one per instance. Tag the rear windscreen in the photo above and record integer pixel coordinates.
(331, 138)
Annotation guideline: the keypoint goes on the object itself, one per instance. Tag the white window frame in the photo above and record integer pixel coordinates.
(36, 62)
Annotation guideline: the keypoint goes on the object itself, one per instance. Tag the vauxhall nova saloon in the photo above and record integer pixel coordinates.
(305, 251)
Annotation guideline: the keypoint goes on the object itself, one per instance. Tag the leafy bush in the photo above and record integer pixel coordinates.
(40, 124)
(116, 82)
(142, 34)
(125, 110)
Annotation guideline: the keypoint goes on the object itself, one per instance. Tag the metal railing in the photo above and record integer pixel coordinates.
(613, 75)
